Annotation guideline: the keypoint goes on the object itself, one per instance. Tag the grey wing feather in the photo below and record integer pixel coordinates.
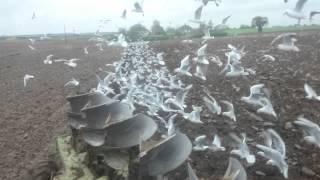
(300, 5)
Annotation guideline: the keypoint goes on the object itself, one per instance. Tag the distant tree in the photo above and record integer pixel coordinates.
(137, 32)
(259, 22)
(157, 29)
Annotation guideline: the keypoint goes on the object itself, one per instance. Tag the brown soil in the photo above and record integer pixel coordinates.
(31, 117)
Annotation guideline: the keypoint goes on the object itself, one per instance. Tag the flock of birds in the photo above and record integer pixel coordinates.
(143, 80)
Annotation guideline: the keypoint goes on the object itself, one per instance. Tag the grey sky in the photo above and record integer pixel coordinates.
(84, 15)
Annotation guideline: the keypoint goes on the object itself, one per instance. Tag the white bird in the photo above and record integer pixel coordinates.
(48, 60)
(191, 174)
(171, 127)
(138, 7)
(230, 113)
(33, 16)
(223, 25)
(185, 67)
(201, 71)
(72, 62)
(216, 144)
(179, 100)
(310, 129)
(197, 13)
(235, 171)
(31, 47)
(85, 50)
(26, 79)
(242, 149)
(200, 143)
(201, 55)
(100, 46)
(124, 14)
(267, 57)
(72, 82)
(32, 41)
(212, 104)
(288, 42)
(313, 13)
(267, 107)
(256, 92)
(160, 58)
(310, 92)
(194, 116)
(236, 70)
(297, 12)
(274, 150)
(121, 41)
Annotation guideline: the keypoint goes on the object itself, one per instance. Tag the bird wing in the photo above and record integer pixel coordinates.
(197, 14)
(224, 21)
(192, 175)
(309, 90)
(277, 142)
(300, 4)
(216, 141)
(313, 13)
(60, 60)
(235, 170)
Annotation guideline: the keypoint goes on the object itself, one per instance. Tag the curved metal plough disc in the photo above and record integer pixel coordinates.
(94, 137)
(166, 156)
(97, 99)
(100, 116)
(77, 103)
(130, 132)
(77, 122)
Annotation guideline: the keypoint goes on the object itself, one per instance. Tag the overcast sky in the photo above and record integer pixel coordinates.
(84, 15)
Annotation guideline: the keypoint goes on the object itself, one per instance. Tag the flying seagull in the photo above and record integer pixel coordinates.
(72, 82)
(71, 62)
(287, 44)
(197, 13)
(242, 149)
(310, 129)
(31, 47)
(48, 60)
(230, 113)
(26, 79)
(310, 92)
(85, 50)
(235, 171)
(124, 14)
(313, 13)
(297, 12)
(274, 150)
(138, 7)
(33, 16)
(212, 104)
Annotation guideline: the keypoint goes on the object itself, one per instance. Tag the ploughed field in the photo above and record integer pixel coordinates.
(31, 117)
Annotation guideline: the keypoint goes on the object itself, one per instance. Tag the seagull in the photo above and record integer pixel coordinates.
(70, 62)
(124, 14)
(171, 127)
(267, 57)
(205, 2)
(230, 113)
(313, 13)
(310, 129)
(160, 58)
(235, 171)
(194, 116)
(26, 78)
(288, 40)
(201, 71)
(85, 50)
(197, 15)
(32, 41)
(310, 92)
(72, 82)
(120, 42)
(236, 70)
(33, 16)
(185, 67)
(297, 12)
(191, 174)
(256, 92)
(48, 60)
(100, 46)
(216, 144)
(207, 35)
(138, 7)
(242, 149)
(31, 47)
(274, 150)
(201, 55)
(103, 86)
(179, 100)
(201, 143)
(212, 104)
(223, 25)
(267, 107)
